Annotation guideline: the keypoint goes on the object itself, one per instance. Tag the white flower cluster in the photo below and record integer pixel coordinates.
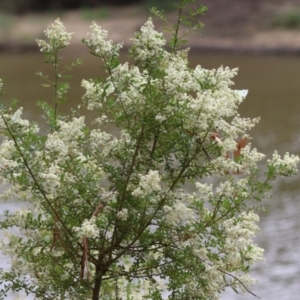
(205, 191)
(178, 77)
(88, 229)
(15, 120)
(179, 214)
(70, 131)
(98, 42)
(148, 184)
(160, 118)
(123, 214)
(286, 165)
(58, 38)
(100, 139)
(96, 93)
(6, 150)
(51, 179)
(148, 43)
(239, 245)
(65, 140)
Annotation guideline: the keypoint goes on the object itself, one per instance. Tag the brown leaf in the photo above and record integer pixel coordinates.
(239, 146)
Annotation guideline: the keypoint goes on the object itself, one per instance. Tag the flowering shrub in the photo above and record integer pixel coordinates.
(110, 217)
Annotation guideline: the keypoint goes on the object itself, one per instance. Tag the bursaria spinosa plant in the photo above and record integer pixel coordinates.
(109, 215)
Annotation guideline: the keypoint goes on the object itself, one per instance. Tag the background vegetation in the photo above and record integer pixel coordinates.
(20, 7)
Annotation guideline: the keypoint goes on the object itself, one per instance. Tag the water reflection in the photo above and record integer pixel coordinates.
(274, 94)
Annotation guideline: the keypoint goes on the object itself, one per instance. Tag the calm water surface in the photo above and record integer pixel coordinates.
(274, 95)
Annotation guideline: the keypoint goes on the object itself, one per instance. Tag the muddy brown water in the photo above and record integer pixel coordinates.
(274, 95)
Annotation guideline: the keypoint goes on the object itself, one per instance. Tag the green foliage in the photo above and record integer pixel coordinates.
(289, 19)
(188, 17)
(167, 5)
(95, 13)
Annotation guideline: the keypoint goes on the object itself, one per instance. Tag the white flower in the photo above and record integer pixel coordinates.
(96, 93)
(239, 245)
(69, 131)
(92, 95)
(51, 179)
(138, 192)
(55, 145)
(179, 214)
(58, 38)
(16, 118)
(148, 183)
(100, 138)
(204, 190)
(160, 118)
(148, 42)
(7, 149)
(123, 214)
(64, 141)
(98, 42)
(286, 165)
(178, 77)
(88, 229)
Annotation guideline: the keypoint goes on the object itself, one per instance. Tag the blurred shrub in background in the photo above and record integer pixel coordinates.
(159, 4)
(100, 13)
(289, 19)
(24, 6)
